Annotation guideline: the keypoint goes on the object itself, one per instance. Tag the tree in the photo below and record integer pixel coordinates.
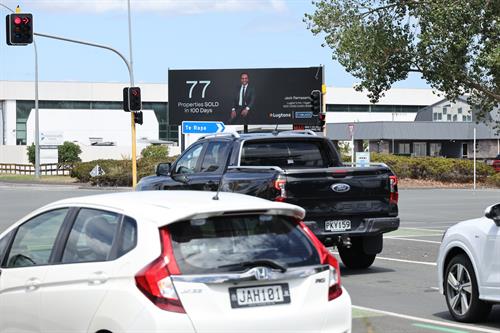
(454, 44)
(30, 150)
(69, 152)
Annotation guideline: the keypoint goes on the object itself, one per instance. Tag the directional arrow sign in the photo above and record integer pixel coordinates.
(202, 127)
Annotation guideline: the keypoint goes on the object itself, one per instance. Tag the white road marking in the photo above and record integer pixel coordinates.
(408, 261)
(423, 229)
(430, 321)
(414, 240)
(401, 260)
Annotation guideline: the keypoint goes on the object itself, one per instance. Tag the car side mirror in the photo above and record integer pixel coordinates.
(493, 212)
(163, 169)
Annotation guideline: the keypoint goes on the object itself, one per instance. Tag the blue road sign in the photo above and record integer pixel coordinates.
(202, 127)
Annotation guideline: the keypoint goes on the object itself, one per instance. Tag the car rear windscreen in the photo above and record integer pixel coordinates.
(284, 154)
(221, 244)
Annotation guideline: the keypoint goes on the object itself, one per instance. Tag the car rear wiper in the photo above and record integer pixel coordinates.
(259, 262)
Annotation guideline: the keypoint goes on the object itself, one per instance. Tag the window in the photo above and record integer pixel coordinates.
(435, 116)
(419, 149)
(435, 149)
(448, 117)
(221, 244)
(445, 110)
(215, 156)
(35, 239)
(460, 110)
(455, 117)
(91, 236)
(464, 118)
(4, 242)
(128, 236)
(404, 148)
(188, 161)
(440, 116)
(284, 154)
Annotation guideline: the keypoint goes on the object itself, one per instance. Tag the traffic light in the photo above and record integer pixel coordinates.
(19, 29)
(138, 117)
(316, 102)
(321, 121)
(132, 99)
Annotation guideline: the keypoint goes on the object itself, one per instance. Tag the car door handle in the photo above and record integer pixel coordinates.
(97, 278)
(33, 284)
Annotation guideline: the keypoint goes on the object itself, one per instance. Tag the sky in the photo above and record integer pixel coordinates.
(175, 34)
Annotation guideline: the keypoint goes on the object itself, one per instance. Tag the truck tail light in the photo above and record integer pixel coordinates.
(334, 286)
(279, 185)
(393, 184)
(155, 281)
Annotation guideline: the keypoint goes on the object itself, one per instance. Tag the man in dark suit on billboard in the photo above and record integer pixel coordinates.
(243, 102)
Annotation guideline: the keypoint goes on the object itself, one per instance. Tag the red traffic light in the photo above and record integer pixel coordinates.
(17, 20)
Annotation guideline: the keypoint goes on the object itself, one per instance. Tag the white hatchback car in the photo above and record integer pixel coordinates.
(168, 261)
(469, 266)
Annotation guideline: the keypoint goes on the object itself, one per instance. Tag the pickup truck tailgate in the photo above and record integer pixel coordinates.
(337, 192)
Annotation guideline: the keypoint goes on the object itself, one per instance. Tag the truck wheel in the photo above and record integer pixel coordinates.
(354, 257)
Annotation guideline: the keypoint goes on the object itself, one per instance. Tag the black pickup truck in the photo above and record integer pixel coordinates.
(350, 207)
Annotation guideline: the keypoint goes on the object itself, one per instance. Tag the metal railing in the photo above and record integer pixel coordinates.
(53, 169)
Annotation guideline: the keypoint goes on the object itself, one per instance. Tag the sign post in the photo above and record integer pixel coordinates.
(351, 130)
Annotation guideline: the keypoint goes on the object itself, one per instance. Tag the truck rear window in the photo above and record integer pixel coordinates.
(284, 154)
(221, 244)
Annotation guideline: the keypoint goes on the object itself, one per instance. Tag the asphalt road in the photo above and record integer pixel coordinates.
(398, 293)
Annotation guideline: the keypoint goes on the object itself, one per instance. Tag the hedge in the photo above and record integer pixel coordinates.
(119, 172)
(116, 172)
(434, 168)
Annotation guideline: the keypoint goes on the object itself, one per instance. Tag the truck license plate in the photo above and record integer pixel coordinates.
(338, 225)
(259, 295)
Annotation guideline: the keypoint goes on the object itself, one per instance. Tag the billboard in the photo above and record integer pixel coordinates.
(243, 96)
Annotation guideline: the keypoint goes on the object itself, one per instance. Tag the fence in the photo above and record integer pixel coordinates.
(29, 169)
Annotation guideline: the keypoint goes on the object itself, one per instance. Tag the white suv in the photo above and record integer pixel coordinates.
(469, 267)
(168, 261)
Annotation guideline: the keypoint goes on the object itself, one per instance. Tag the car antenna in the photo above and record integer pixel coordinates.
(226, 167)
(275, 132)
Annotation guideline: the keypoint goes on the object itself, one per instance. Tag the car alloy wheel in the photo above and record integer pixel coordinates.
(459, 289)
(462, 293)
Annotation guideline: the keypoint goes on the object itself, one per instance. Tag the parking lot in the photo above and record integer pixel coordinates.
(399, 293)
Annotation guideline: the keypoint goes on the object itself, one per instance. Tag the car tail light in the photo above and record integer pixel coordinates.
(393, 184)
(279, 185)
(334, 286)
(155, 282)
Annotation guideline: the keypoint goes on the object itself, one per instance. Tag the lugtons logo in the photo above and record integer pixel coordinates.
(280, 115)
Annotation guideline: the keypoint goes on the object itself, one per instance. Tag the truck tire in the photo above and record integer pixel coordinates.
(354, 257)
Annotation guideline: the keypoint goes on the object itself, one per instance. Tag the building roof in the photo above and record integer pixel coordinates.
(158, 92)
(421, 130)
(395, 96)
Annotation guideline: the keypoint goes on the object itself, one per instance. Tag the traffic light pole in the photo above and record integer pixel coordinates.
(37, 124)
(132, 118)
(131, 76)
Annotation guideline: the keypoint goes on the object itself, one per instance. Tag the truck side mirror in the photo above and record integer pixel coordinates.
(163, 169)
(493, 212)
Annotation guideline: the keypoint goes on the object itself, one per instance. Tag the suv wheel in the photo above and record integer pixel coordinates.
(461, 291)
(354, 257)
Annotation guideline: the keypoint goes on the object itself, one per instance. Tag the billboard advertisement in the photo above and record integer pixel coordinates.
(243, 96)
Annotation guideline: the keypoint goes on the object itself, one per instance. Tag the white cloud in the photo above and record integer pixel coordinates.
(186, 7)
